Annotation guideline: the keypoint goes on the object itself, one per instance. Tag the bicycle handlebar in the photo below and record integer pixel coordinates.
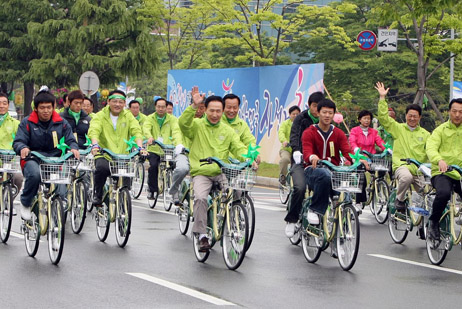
(331, 166)
(221, 163)
(50, 160)
(162, 145)
(411, 161)
(456, 168)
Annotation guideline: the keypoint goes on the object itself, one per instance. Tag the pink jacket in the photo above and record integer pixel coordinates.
(358, 139)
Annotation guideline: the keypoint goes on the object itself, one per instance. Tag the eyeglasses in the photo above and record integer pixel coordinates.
(116, 101)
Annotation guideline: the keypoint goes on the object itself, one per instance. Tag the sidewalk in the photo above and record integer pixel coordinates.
(267, 182)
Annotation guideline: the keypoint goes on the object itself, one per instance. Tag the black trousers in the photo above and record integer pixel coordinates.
(444, 186)
(298, 194)
(153, 172)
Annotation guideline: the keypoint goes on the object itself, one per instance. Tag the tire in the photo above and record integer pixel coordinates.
(397, 222)
(123, 220)
(285, 190)
(348, 243)
(380, 201)
(78, 207)
(166, 196)
(200, 256)
(437, 250)
(235, 236)
(184, 216)
(6, 213)
(329, 224)
(138, 180)
(102, 222)
(56, 231)
(32, 232)
(90, 193)
(160, 184)
(312, 247)
(295, 240)
(249, 205)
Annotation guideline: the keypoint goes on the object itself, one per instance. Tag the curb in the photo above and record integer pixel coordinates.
(267, 182)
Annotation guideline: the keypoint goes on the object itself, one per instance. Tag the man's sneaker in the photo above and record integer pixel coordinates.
(25, 212)
(204, 245)
(152, 195)
(282, 179)
(433, 230)
(359, 208)
(290, 229)
(400, 206)
(312, 217)
(175, 199)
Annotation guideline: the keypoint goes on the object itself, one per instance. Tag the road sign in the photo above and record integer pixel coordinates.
(89, 83)
(387, 40)
(366, 39)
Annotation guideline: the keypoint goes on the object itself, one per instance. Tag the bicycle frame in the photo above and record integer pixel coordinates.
(455, 239)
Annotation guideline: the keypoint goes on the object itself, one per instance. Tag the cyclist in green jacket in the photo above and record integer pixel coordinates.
(284, 137)
(443, 149)
(134, 107)
(108, 129)
(210, 137)
(408, 142)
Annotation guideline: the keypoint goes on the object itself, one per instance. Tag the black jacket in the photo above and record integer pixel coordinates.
(33, 135)
(301, 123)
(79, 129)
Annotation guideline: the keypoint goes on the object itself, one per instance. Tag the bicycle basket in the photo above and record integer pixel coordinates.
(123, 167)
(239, 179)
(347, 181)
(379, 163)
(169, 154)
(57, 173)
(87, 163)
(9, 163)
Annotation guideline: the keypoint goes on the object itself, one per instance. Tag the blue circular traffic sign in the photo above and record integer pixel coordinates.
(367, 40)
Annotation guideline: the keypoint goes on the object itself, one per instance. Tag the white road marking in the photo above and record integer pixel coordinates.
(146, 207)
(182, 289)
(449, 270)
(272, 208)
(19, 235)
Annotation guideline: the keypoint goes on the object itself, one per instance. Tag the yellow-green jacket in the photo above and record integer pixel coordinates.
(101, 129)
(142, 118)
(284, 134)
(407, 143)
(241, 128)
(445, 144)
(92, 115)
(209, 140)
(170, 131)
(7, 129)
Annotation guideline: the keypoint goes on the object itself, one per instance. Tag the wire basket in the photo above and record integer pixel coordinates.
(380, 163)
(87, 163)
(9, 164)
(347, 181)
(239, 179)
(169, 154)
(57, 173)
(123, 167)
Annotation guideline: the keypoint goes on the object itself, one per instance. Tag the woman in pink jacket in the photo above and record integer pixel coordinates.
(364, 137)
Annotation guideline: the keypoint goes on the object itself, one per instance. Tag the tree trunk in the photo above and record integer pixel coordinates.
(28, 94)
(435, 108)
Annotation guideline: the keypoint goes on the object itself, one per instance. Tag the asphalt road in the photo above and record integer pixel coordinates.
(158, 269)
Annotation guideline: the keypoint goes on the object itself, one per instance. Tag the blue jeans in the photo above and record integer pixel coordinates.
(319, 180)
(32, 175)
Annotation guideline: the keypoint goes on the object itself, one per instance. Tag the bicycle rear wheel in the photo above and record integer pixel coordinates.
(6, 213)
(200, 256)
(56, 231)
(249, 205)
(438, 249)
(295, 240)
(102, 222)
(183, 216)
(380, 201)
(284, 190)
(167, 197)
(90, 192)
(348, 237)
(235, 236)
(78, 206)
(138, 180)
(312, 246)
(160, 184)
(397, 222)
(31, 230)
(123, 218)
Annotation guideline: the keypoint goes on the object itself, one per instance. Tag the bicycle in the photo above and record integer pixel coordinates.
(450, 228)
(285, 190)
(377, 189)
(165, 175)
(9, 165)
(340, 223)
(117, 206)
(138, 179)
(401, 223)
(47, 208)
(227, 217)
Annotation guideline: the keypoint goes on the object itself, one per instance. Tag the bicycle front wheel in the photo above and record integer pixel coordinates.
(438, 249)
(312, 246)
(380, 201)
(249, 205)
(78, 207)
(284, 189)
(201, 256)
(90, 193)
(123, 219)
(138, 180)
(167, 185)
(56, 231)
(102, 222)
(397, 222)
(6, 213)
(183, 216)
(348, 237)
(31, 230)
(235, 236)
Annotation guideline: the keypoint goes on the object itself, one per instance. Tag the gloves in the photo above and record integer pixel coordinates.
(178, 149)
(297, 155)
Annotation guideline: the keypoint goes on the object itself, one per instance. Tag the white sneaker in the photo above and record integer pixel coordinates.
(312, 217)
(25, 212)
(290, 230)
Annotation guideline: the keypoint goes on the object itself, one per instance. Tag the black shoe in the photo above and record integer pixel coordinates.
(433, 230)
(421, 233)
(97, 202)
(152, 195)
(282, 180)
(204, 245)
(400, 206)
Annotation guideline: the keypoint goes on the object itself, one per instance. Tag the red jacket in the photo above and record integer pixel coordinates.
(358, 139)
(313, 143)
